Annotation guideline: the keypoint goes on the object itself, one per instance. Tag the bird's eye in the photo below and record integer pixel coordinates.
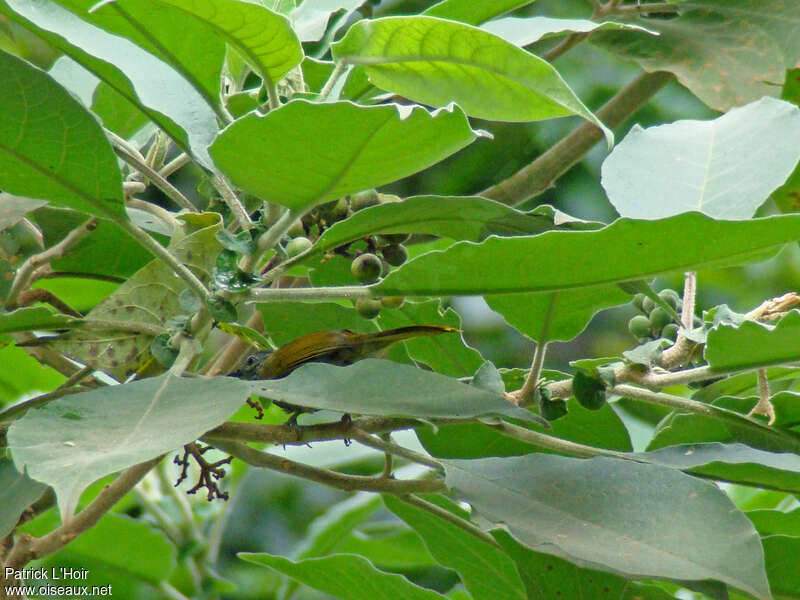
(252, 360)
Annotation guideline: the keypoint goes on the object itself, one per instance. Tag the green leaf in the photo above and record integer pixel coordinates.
(22, 374)
(385, 388)
(616, 513)
(754, 344)
(288, 157)
(557, 316)
(285, 321)
(523, 31)
(447, 354)
(782, 572)
(33, 318)
(51, 147)
(601, 428)
(727, 53)
(145, 553)
(344, 576)
(17, 493)
(435, 62)
(689, 165)
(456, 217)
(147, 82)
(150, 296)
(770, 522)
(265, 39)
(734, 462)
(119, 426)
(626, 250)
(486, 572)
(471, 12)
(547, 577)
(395, 549)
(14, 208)
(116, 112)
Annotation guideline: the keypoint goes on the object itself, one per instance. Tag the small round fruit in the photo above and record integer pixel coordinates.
(395, 254)
(670, 332)
(296, 230)
(639, 326)
(392, 301)
(669, 296)
(368, 308)
(659, 318)
(366, 268)
(364, 199)
(297, 245)
(648, 305)
(638, 300)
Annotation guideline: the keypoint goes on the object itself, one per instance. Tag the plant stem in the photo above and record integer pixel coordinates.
(652, 7)
(272, 94)
(160, 213)
(391, 448)
(167, 257)
(327, 477)
(565, 45)
(232, 201)
(322, 293)
(25, 272)
(539, 175)
(446, 515)
(175, 164)
(338, 69)
(268, 239)
(553, 443)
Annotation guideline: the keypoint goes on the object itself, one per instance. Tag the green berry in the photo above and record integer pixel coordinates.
(364, 199)
(368, 308)
(296, 230)
(395, 254)
(297, 245)
(648, 305)
(392, 301)
(638, 299)
(366, 268)
(659, 318)
(669, 296)
(639, 326)
(552, 409)
(670, 332)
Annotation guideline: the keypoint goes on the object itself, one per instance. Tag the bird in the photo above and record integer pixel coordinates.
(340, 347)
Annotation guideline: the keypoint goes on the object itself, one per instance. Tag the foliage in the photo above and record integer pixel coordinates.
(202, 201)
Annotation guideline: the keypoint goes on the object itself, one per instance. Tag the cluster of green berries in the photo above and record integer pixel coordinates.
(382, 251)
(655, 322)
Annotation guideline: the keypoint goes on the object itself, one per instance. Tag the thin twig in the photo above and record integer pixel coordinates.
(387, 446)
(159, 212)
(229, 358)
(123, 151)
(28, 548)
(25, 272)
(681, 350)
(233, 203)
(451, 518)
(78, 275)
(538, 176)
(268, 239)
(652, 7)
(569, 42)
(526, 395)
(327, 477)
(175, 164)
(352, 292)
(764, 405)
(338, 69)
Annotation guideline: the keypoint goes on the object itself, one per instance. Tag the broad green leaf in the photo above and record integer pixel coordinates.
(601, 428)
(626, 250)
(14, 208)
(547, 577)
(385, 388)
(522, 31)
(745, 384)
(107, 250)
(471, 12)
(557, 316)
(615, 513)
(784, 578)
(771, 522)
(787, 197)
(22, 374)
(145, 80)
(117, 542)
(437, 62)
(263, 38)
(447, 354)
(727, 53)
(72, 76)
(456, 217)
(116, 112)
(33, 318)
(344, 576)
(51, 147)
(695, 165)
(733, 462)
(17, 492)
(396, 549)
(288, 157)
(150, 296)
(285, 321)
(310, 19)
(327, 531)
(73, 441)
(486, 572)
(752, 344)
